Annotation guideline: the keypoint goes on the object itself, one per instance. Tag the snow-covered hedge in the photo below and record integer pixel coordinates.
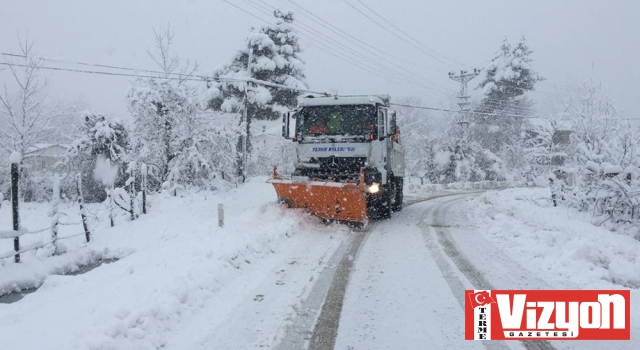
(414, 186)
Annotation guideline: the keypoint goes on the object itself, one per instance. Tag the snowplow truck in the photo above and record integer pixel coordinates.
(349, 163)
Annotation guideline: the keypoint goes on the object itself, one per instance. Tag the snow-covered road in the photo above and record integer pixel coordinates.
(401, 293)
(397, 285)
(407, 287)
(398, 298)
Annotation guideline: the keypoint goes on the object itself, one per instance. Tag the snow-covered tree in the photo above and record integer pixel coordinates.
(271, 53)
(509, 75)
(26, 115)
(544, 145)
(99, 137)
(420, 130)
(500, 114)
(171, 133)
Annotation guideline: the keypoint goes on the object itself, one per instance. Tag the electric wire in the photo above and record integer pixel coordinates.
(326, 51)
(311, 15)
(357, 42)
(313, 33)
(395, 34)
(408, 35)
(457, 111)
(192, 78)
(342, 33)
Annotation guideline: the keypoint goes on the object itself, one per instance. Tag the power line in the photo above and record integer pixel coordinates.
(395, 34)
(455, 111)
(342, 33)
(364, 46)
(405, 33)
(359, 56)
(13, 55)
(371, 49)
(247, 12)
(326, 49)
(200, 78)
(274, 85)
(496, 103)
(95, 72)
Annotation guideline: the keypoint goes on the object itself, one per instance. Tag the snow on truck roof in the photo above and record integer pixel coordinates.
(346, 100)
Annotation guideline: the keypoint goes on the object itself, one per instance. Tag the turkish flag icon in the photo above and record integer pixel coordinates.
(480, 299)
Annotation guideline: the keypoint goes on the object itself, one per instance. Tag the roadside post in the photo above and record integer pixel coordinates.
(221, 215)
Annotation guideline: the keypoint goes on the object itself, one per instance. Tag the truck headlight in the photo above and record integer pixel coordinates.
(374, 188)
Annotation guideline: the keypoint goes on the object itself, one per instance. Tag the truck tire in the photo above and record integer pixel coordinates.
(397, 205)
(386, 204)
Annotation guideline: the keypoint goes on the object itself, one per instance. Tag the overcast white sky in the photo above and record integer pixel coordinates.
(573, 40)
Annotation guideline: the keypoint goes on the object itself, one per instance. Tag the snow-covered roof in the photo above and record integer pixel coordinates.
(349, 100)
(564, 125)
(561, 125)
(41, 146)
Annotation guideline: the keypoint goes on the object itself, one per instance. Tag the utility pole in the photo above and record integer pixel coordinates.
(464, 115)
(246, 120)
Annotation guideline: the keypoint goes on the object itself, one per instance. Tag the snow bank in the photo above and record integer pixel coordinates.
(414, 187)
(557, 243)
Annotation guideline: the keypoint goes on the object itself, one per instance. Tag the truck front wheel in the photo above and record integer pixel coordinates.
(386, 202)
(399, 196)
(379, 205)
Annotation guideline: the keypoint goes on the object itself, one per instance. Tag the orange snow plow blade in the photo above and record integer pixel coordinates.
(328, 200)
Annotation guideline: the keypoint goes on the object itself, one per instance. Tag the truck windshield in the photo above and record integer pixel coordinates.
(338, 120)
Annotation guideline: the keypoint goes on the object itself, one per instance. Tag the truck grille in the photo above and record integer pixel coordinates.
(334, 168)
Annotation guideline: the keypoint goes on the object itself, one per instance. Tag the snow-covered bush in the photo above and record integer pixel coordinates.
(603, 160)
(99, 138)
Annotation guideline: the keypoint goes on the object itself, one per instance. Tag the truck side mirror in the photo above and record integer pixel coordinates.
(289, 125)
(394, 125)
(382, 123)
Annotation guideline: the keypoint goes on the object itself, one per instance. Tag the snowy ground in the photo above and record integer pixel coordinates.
(406, 289)
(515, 240)
(180, 279)
(261, 281)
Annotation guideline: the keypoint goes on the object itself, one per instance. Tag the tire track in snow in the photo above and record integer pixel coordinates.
(466, 267)
(326, 328)
(299, 332)
(325, 331)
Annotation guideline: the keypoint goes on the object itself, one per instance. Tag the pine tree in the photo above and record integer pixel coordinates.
(508, 77)
(271, 54)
